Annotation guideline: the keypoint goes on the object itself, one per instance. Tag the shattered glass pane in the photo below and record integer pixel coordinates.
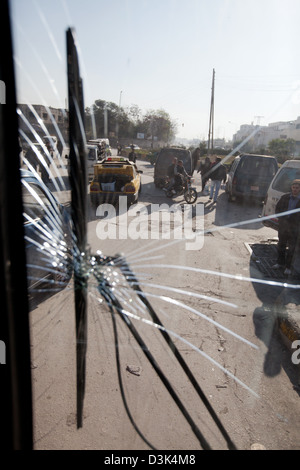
(171, 317)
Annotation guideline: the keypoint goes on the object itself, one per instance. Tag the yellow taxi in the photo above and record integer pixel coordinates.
(115, 177)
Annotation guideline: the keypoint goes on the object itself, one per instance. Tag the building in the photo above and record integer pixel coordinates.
(37, 116)
(262, 135)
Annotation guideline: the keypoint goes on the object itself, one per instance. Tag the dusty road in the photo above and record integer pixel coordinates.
(220, 319)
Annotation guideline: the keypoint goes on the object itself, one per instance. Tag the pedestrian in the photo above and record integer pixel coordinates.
(195, 158)
(288, 227)
(120, 149)
(203, 170)
(217, 174)
(132, 155)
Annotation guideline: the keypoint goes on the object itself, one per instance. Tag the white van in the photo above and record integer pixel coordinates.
(281, 184)
(105, 145)
(92, 159)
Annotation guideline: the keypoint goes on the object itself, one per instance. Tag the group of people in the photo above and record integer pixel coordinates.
(216, 173)
(288, 224)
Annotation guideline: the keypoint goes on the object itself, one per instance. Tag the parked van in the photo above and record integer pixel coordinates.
(92, 159)
(165, 158)
(281, 184)
(104, 144)
(250, 176)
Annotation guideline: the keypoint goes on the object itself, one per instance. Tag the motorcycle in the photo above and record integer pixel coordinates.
(190, 194)
(163, 183)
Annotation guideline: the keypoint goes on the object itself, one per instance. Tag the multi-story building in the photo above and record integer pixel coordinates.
(37, 114)
(262, 135)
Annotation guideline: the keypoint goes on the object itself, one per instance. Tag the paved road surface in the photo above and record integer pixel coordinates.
(218, 314)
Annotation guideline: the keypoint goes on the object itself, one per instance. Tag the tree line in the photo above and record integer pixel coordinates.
(282, 149)
(105, 118)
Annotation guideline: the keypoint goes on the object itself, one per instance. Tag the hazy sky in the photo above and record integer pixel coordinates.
(160, 54)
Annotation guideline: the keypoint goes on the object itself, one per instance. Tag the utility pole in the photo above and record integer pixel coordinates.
(118, 116)
(258, 119)
(210, 145)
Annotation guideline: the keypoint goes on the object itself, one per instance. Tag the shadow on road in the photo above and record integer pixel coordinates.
(274, 299)
(237, 213)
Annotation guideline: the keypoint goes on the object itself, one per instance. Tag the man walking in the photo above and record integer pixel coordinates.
(288, 227)
(217, 175)
(132, 155)
(204, 170)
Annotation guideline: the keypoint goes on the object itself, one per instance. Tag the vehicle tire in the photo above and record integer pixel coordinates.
(191, 196)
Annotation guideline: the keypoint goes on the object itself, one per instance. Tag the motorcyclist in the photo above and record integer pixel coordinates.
(180, 175)
(171, 174)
